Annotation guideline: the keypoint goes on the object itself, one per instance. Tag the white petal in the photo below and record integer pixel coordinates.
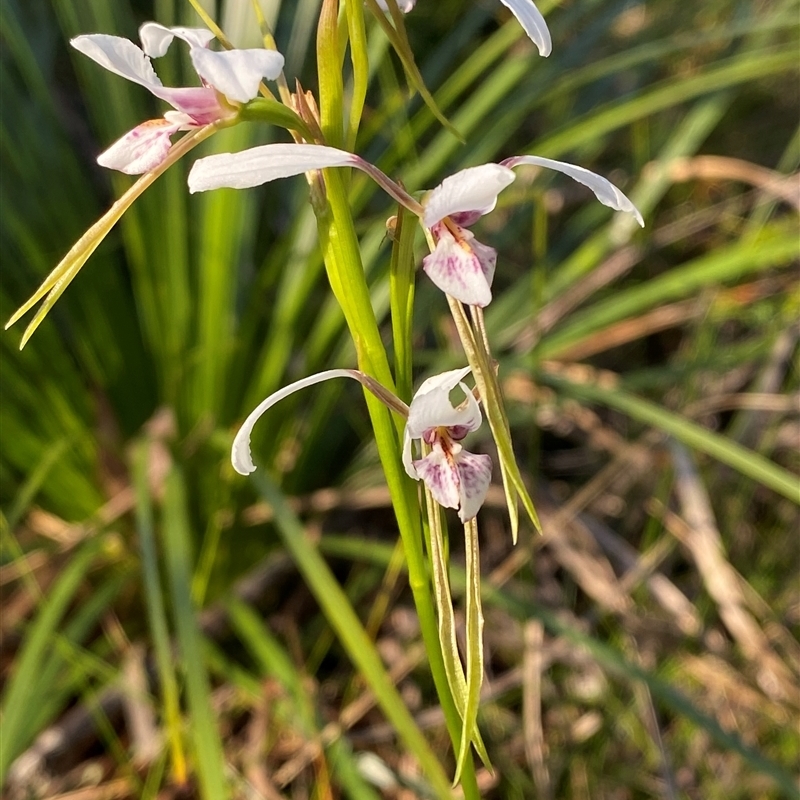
(471, 189)
(263, 164)
(408, 458)
(118, 55)
(443, 382)
(457, 270)
(431, 406)
(240, 451)
(237, 73)
(156, 38)
(475, 476)
(141, 149)
(404, 5)
(603, 189)
(440, 476)
(532, 22)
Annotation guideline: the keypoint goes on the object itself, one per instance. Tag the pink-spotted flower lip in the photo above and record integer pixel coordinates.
(456, 478)
(460, 265)
(234, 75)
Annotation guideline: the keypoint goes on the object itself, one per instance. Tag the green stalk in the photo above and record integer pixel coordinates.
(358, 55)
(342, 258)
(157, 616)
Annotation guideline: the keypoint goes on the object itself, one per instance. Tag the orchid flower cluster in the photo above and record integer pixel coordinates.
(429, 432)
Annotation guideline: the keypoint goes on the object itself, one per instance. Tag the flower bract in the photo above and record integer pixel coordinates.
(228, 78)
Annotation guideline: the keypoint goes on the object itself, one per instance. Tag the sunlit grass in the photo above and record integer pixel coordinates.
(646, 643)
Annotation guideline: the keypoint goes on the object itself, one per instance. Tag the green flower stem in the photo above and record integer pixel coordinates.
(329, 66)
(345, 271)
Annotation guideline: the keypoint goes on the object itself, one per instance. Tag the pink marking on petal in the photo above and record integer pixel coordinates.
(141, 149)
(199, 102)
(440, 475)
(458, 432)
(475, 477)
(466, 218)
(456, 268)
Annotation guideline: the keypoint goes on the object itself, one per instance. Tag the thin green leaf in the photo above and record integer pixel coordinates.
(746, 461)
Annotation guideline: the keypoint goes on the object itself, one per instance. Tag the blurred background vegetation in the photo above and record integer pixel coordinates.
(157, 640)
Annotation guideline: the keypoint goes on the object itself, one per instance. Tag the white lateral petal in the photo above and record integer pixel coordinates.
(472, 189)
(408, 458)
(118, 55)
(241, 458)
(156, 38)
(475, 476)
(532, 23)
(457, 270)
(263, 164)
(141, 149)
(603, 189)
(431, 406)
(440, 476)
(237, 73)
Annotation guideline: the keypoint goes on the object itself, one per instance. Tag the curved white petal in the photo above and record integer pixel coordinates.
(440, 475)
(237, 73)
(432, 408)
(241, 458)
(156, 38)
(404, 5)
(141, 149)
(408, 458)
(472, 189)
(475, 476)
(603, 189)
(263, 164)
(532, 23)
(458, 270)
(118, 55)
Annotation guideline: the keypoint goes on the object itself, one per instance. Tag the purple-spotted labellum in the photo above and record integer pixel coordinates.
(456, 478)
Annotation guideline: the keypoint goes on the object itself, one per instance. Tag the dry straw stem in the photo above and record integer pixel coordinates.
(720, 168)
(532, 666)
(699, 533)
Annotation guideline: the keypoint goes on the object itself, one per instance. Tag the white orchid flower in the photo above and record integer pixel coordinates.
(457, 478)
(460, 265)
(228, 78)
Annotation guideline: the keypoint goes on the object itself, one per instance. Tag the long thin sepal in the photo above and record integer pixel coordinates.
(474, 646)
(57, 281)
